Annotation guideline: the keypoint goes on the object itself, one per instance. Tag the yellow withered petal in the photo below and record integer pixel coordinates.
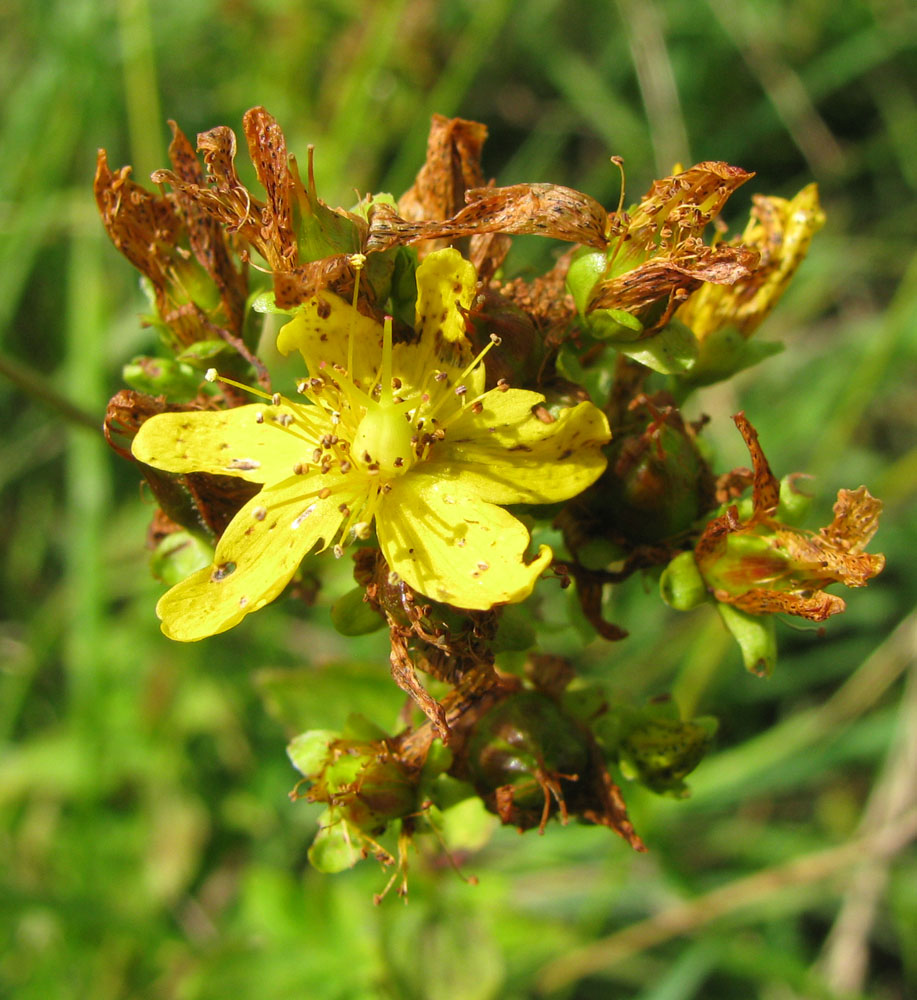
(257, 555)
(505, 454)
(259, 442)
(443, 540)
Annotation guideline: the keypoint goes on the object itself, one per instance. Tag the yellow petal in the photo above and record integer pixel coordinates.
(320, 331)
(257, 555)
(232, 442)
(448, 544)
(505, 454)
(445, 281)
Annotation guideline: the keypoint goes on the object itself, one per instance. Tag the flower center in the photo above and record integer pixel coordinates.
(383, 441)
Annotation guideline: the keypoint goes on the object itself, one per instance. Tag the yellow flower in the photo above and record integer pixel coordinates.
(404, 435)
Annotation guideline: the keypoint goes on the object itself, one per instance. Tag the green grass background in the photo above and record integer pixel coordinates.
(147, 845)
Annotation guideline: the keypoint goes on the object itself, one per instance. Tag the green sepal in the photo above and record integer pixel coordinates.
(794, 504)
(265, 302)
(466, 825)
(597, 379)
(756, 636)
(681, 585)
(336, 846)
(308, 752)
(352, 615)
(614, 325)
(724, 352)
(179, 555)
(598, 553)
(403, 287)
(671, 351)
(175, 380)
(358, 727)
(203, 352)
(586, 269)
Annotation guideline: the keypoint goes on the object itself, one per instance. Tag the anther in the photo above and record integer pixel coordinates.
(259, 513)
(461, 390)
(259, 417)
(344, 509)
(276, 399)
(345, 467)
(338, 551)
(502, 384)
(440, 376)
(317, 455)
(298, 469)
(210, 375)
(285, 419)
(324, 493)
(495, 340)
(477, 407)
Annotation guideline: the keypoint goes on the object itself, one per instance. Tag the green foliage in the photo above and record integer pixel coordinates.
(149, 847)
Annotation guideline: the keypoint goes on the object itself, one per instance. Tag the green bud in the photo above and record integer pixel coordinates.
(681, 585)
(175, 380)
(661, 752)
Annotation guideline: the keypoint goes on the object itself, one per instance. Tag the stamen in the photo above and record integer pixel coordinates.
(358, 260)
(211, 375)
(386, 396)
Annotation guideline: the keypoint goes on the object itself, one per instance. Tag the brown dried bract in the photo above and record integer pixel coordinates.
(452, 167)
(539, 209)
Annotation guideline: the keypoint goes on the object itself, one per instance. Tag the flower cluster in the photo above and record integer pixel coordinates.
(445, 425)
